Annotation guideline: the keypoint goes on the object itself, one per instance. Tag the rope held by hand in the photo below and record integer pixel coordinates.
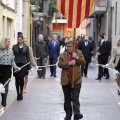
(22, 66)
(112, 70)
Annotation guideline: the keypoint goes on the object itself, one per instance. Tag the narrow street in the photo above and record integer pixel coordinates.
(44, 99)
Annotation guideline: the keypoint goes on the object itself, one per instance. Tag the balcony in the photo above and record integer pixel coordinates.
(59, 18)
(100, 7)
(34, 8)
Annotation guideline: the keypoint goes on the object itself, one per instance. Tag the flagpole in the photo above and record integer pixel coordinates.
(73, 69)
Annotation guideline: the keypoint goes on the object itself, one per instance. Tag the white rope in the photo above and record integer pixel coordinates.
(106, 67)
(6, 82)
(112, 70)
(48, 65)
(22, 67)
(32, 70)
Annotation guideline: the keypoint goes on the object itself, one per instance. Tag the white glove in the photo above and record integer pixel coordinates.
(18, 69)
(37, 67)
(106, 66)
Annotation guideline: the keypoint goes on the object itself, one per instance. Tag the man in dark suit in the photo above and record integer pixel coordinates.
(54, 51)
(102, 55)
(87, 50)
(108, 43)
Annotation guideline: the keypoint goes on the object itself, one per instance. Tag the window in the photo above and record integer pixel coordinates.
(8, 27)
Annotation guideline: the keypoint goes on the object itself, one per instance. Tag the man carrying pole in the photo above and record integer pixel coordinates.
(66, 61)
(75, 11)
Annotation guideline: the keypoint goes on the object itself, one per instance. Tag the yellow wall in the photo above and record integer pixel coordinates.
(5, 14)
(28, 23)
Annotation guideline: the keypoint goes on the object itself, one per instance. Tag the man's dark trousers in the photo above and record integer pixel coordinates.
(42, 62)
(71, 95)
(84, 69)
(53, 68)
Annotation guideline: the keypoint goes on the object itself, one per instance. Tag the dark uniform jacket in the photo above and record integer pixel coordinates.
(86, 50)
(103, 52)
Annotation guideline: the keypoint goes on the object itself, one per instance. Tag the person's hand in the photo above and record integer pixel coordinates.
(73, 62)
(18, 69)
(37, 67)
(106, 66)
(74, 55)
(98, 53)
(96, 56)
(35, 58)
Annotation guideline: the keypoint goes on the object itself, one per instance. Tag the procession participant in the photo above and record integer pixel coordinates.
(6, 64)
(53, 51)
(63, 47)
(114, 61)
(21, 52)
(33, 63)
(66, 61)
(108, 42)
(102, 56)
(87, 50)
(40, 51)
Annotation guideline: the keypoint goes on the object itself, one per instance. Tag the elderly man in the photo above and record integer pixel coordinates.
(66, 61)
(40, 51)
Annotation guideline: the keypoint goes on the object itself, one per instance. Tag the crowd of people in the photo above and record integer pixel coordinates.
(57, 50)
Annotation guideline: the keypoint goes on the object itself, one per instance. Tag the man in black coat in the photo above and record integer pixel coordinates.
(102, 55)
(40, 51)
(108, 42)
(87, 50)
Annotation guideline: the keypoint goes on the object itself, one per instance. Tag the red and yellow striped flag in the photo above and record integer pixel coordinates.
(75, 11)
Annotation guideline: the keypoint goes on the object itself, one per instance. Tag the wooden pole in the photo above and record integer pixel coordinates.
(74, 51)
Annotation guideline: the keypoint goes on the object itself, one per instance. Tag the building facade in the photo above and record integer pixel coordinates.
(8, 19)
(41, 19)
(115, 6)
(105, 19)
(59, 27)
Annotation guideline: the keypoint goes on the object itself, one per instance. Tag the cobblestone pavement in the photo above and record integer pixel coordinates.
(44, 99)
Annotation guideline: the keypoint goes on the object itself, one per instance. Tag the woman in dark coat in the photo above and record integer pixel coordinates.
(6, 64)
(22, 57)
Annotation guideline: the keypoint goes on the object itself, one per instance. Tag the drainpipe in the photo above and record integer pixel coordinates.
(109, 22)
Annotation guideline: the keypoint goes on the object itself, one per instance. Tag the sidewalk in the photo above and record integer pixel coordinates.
(44, 99)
